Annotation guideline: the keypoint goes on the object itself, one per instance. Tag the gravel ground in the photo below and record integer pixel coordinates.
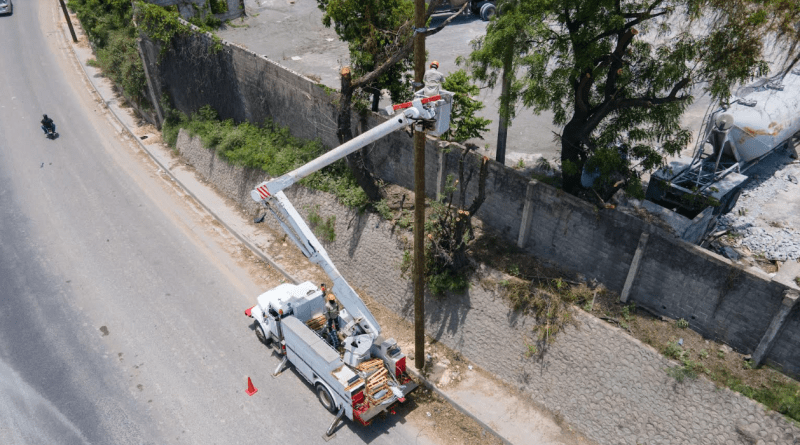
(764, 221)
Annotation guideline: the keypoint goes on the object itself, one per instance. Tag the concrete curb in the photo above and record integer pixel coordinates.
(258, 251)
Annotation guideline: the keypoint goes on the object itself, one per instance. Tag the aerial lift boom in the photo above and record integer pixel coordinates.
(370, 375)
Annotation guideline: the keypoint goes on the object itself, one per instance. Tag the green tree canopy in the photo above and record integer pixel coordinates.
(374, 30)
(463, 122)
(618, 74)
(497, 55)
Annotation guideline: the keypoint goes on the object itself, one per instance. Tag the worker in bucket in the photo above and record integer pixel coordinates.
(433, 80)
(332, 314)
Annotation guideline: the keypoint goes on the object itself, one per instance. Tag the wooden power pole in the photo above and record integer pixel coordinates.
(419, 197)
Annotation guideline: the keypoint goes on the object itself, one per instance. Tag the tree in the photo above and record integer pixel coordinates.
(498, 55)
(380, 35)
(618, 74)
(463, 122)
(450, 230)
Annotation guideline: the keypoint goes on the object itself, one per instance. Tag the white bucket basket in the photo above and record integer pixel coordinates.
(442, 108)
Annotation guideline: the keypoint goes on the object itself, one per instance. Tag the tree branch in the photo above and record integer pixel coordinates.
(404, 50)
(650, 101)
(616, 61)
(638, 18)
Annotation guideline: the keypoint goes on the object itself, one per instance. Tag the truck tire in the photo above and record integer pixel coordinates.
(488, 11)
(267, 340)
(325, 398)
(475, 8)
(729, 201)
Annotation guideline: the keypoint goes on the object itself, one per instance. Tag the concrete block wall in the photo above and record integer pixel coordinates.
(674, 278)
(718, 299)
(784, 353)
(368, 251)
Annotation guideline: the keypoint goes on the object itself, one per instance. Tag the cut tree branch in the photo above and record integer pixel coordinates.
(404, 50)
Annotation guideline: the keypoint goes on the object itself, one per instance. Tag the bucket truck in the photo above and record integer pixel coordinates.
(365, 374)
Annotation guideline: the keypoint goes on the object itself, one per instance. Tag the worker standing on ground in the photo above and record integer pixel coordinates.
(433, 80)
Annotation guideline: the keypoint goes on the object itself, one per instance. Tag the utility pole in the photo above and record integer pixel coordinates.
(69, 21)
(419, 196)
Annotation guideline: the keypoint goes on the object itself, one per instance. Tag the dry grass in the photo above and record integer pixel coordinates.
(531, 289)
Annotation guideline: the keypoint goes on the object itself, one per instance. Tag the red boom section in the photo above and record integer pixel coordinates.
(424, 101)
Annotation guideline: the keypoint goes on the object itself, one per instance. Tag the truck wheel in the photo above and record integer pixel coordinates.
(488, 11)
(261, 337)
(730, 203)
(325, 398)
(475, 8)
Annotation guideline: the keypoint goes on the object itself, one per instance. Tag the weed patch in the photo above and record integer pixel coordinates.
(324, 227)
(270, 148)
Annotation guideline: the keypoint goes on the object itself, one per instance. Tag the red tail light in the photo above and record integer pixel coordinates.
(400, 367)
(358, 398)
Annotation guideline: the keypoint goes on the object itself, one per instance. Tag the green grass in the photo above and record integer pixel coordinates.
(780, 395)
(270, 148)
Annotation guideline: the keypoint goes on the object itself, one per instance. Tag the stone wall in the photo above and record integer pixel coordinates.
(672, 278)
(609, 386)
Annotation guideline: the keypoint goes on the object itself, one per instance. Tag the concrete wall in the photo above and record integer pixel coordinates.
(673, 278)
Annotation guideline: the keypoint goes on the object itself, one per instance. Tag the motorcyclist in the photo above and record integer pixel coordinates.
(48, 124)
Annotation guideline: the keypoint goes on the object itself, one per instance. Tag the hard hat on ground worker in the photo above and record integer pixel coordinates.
(434, 64)
(330, 297)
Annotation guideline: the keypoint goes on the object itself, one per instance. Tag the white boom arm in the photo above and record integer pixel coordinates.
(294, 226)
(415, 111)
(270, 193)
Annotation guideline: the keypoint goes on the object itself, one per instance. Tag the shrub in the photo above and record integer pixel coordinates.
(270, 148)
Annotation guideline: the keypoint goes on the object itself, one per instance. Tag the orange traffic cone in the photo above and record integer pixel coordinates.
(250, 388)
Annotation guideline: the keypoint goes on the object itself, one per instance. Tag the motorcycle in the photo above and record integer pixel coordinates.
(50, 131)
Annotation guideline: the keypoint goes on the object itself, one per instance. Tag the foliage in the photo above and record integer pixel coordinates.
(463, 122)
(324, 227)
(270, 148)
(382, 207)
(781, 395)
(120, 60)
(406, 219)
(687, 368)
(682, 323)
(164, 24)
(450, 232)
(101, 18)
(497, 55)
(108, 25)
(618, 74)
(374, 30)
(218, 6)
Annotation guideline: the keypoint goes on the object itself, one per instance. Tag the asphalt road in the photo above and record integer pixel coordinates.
(120, 299)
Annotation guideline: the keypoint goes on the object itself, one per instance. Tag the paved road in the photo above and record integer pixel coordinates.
(120, 300)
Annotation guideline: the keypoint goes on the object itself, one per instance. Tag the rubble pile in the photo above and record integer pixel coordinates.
(754, 222)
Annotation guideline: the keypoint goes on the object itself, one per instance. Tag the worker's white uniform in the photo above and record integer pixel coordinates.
(433, 80)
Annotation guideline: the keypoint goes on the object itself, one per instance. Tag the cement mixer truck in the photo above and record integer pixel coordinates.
(763, 118)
